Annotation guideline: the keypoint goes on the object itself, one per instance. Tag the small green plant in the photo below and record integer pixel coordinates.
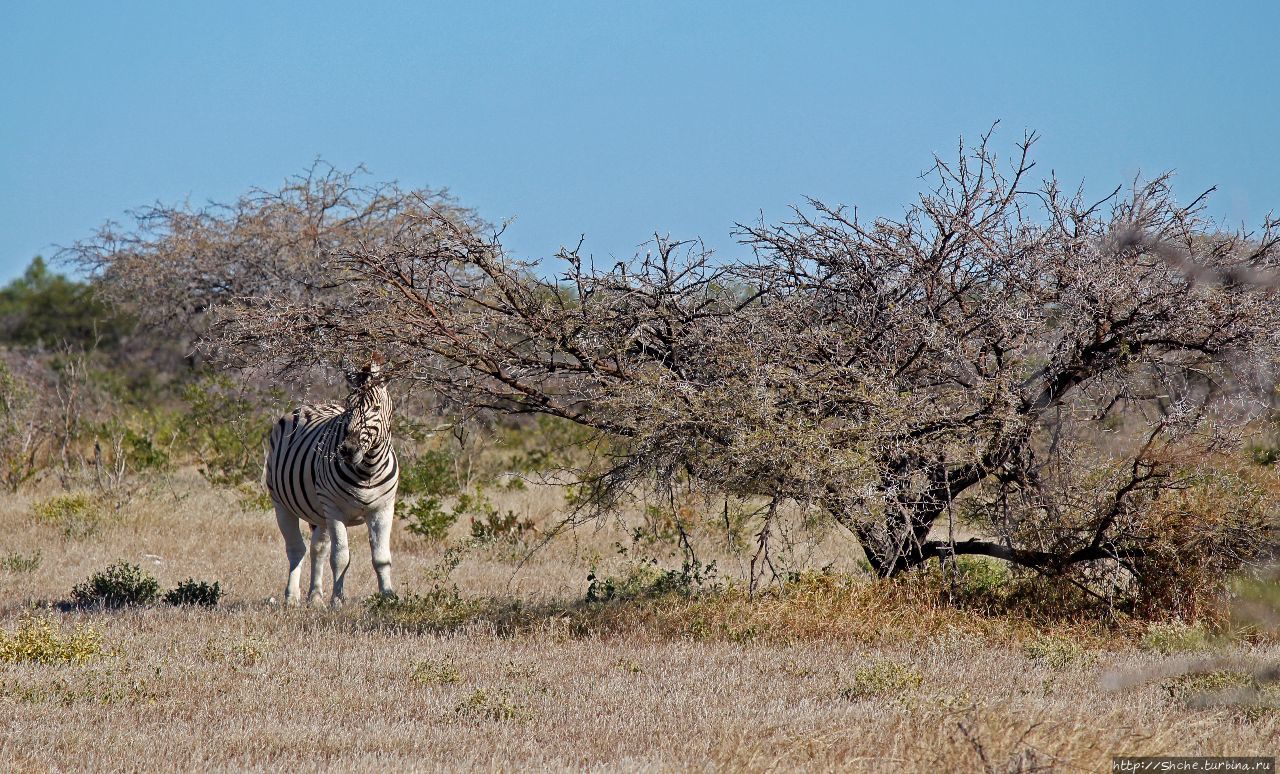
(41, 641)
(979, 577)
(77, 514)
(120, 585)
(1054, 652)
(253, 497)
(15, 562)
(241, 652)
(494, 526)
(1176, 637)
(428, 518)
(883, 678)
(481, 705)
(488, 524)
(1264, 455)
(194, 592)
(436, 672)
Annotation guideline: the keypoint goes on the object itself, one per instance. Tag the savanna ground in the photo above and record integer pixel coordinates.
(517, 669)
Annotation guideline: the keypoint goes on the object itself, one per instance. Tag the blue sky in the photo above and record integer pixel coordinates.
(614, 120)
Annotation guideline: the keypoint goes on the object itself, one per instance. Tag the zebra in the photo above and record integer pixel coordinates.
(333, 466)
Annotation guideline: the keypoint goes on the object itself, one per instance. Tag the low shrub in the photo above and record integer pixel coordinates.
(194, 592)
(120, 585)
(432, 474)
(494, 525)
(438, 609)
(1055, 652)
(482, 705)
(76, 514)
(1171, 637)
(15, 562)
(1202, 689)
(645, 579)
(883, 678)
(488, 524)
(436, 672)
(41, 641)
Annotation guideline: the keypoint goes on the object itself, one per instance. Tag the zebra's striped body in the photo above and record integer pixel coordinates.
(333, 466)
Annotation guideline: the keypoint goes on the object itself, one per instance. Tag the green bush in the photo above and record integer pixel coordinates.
(549, 443)
(645, 579)
(194, 592)
(428, 518)
(120, 585)
(1176, 637)
(226, 426)
(143, 453)
(432, 475)
(1263, 454)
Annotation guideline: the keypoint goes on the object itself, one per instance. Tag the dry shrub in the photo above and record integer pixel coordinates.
(1220, 521)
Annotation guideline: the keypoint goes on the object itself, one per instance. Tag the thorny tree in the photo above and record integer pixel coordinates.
(174, 264)
(1007, 354)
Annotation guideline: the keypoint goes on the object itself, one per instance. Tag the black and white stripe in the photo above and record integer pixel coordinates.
(333, 466)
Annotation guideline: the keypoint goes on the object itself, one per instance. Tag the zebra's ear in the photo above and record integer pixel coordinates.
(375, 373)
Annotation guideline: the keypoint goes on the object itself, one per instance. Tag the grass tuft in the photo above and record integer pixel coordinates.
(481, 705)
(882, 679)
(436, 672)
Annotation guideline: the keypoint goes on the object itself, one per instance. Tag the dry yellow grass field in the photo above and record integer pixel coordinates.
(518, 673)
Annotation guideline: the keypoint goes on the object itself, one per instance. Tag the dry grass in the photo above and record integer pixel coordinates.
(515, 671)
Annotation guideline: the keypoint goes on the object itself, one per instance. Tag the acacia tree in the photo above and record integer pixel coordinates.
(1016, 355)
(175, 265)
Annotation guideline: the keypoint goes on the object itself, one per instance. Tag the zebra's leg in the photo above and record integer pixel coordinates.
(319, 558)
(339, 558)
(294, 548)
(380, 548)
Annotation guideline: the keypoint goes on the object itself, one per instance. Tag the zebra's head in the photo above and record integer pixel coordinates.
(368, 411)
